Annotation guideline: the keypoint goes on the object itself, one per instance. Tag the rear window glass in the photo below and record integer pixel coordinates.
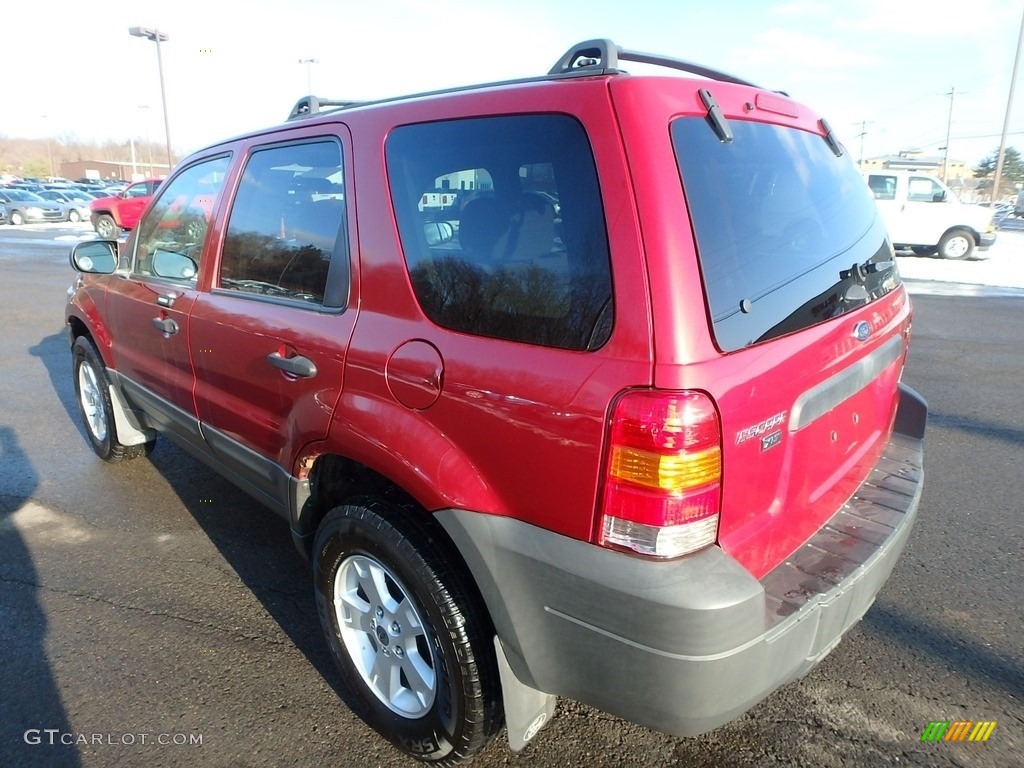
(502, 228)
(780, 222)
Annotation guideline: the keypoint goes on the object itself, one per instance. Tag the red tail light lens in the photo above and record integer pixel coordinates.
(663, 474)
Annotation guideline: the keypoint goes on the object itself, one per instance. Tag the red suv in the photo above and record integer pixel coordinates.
(622, 421)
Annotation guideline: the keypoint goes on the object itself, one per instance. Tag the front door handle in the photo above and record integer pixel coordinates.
(165, 324)
(297, 366)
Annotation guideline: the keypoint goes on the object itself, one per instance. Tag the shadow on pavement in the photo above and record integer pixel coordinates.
(55, 354)
(33, 723)
(257, 545)
(967, 658)
(251, 538)
(1010, 435)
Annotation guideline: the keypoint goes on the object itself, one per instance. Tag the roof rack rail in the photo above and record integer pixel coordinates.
(602, 55)
(311, 105)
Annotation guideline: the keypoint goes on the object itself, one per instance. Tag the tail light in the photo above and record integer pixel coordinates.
(663, 474)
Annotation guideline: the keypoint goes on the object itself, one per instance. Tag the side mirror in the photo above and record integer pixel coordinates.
(438, 232)
(939, 197)
(95, 257)
(174, 265)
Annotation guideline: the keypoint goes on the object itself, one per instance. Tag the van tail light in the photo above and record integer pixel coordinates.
(663, 474)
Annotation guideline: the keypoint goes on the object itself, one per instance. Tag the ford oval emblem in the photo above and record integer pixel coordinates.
(862, 330)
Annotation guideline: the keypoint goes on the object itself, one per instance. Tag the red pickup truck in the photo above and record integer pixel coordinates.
(121, 211)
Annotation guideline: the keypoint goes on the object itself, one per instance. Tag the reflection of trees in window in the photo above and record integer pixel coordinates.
(258, 263)
(531, 304)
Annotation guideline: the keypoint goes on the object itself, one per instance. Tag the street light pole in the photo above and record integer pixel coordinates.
(992, 198)
(158, 37)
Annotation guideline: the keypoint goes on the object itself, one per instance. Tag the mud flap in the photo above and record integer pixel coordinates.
(527, 710)
(128, 430)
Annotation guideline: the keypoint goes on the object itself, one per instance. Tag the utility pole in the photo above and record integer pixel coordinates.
(49, 153)
(949, 125)
(1006, 120)
(862, 134)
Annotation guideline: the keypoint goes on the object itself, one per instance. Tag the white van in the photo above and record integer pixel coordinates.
(922, 214)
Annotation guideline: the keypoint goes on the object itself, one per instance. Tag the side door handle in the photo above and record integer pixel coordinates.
(166, 325)
(297, 366)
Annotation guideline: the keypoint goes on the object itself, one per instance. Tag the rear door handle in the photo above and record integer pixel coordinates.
(165, 324)
(297, 366)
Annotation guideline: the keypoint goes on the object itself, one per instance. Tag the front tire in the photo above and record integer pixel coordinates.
(407, 630)
(74, 216)
(92, 390)
(106, 227)
(956, 244)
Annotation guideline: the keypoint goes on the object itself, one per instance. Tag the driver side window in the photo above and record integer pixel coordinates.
(173, 232)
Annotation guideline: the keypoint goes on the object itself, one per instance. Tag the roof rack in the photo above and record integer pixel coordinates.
(602, 55)
(589, 58)
(310, 105)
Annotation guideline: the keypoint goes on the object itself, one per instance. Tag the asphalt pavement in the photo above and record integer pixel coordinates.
(151, 614)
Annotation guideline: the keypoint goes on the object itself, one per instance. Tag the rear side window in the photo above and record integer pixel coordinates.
(502, 228)
(286, 223)
(780, 222)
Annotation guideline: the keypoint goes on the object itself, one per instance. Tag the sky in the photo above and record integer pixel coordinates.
(879, 71)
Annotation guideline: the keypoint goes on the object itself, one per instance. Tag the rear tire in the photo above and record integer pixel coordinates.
(407, 630)
(956, 244)
(17, 218)
(92, 390)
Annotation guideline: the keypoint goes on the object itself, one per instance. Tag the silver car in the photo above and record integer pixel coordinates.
(24, 207)
(75, 202)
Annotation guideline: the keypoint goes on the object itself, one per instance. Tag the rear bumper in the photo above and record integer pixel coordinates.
(687, 645)
(986, 240)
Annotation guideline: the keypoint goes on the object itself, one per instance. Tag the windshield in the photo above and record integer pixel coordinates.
(26, 196)
(780, 224)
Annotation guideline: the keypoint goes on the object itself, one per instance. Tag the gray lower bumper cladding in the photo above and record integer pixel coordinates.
(685, 646)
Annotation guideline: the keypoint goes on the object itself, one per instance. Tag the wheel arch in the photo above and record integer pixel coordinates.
(419, 467)
(333, 479)
(972, 231)
(95, 330)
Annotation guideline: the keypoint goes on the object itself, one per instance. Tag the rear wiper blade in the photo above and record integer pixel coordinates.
(715, 117)
(860, 272)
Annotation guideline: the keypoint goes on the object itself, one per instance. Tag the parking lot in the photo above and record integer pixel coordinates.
(151, 614)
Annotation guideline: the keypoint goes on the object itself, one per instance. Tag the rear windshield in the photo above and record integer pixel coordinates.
(787, 233)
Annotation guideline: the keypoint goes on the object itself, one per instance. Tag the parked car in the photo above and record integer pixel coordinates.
(24, 206)
(75, 202)
(111, 214)
(922, 214)
(3, 213)
(657, 458)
